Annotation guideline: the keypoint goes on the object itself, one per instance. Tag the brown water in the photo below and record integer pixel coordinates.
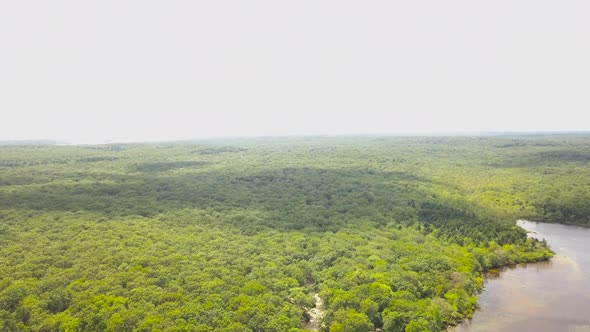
(549, 296)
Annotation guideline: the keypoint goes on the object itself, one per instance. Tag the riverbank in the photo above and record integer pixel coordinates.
(544, 296)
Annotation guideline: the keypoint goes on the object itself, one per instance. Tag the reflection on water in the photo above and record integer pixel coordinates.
(547, 296)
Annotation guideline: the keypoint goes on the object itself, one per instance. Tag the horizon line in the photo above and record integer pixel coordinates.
(48, 141)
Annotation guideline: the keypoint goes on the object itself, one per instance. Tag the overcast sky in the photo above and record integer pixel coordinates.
(90, 71)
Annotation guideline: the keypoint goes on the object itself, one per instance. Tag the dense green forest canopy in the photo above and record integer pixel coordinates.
(238, 235)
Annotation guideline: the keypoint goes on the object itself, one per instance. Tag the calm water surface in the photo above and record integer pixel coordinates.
(548, 296)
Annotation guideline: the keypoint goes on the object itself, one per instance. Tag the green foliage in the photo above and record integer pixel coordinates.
(393, 233)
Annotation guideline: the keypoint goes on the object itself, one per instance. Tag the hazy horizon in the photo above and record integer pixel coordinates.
(515, 134)
(148, 71)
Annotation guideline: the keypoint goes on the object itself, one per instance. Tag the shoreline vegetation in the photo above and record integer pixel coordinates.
(391, 233)
(496, 271)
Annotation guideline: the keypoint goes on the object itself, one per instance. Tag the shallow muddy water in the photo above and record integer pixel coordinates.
(547, 296)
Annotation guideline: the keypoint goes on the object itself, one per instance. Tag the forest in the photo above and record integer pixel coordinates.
(240, 235)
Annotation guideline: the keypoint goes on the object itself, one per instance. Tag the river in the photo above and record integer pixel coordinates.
(548, 296)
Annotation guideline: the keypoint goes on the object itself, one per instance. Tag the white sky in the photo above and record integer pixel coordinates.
(88, 71)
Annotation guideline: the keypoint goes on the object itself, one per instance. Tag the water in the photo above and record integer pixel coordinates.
(548, 296)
